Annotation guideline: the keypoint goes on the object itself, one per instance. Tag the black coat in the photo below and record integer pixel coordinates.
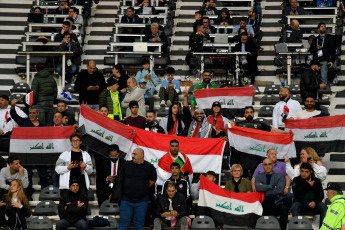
(12, 212)
(196, 42)
(310, 83)
(178, 204)
(249, 47)
(300, 187)
(291, 36)
(73, 213)
(328, 50)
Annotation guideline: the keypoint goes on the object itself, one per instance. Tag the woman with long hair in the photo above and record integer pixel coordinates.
(173, 124)
(120, 74)
(16, 206)
(308, 155)
(217, 123)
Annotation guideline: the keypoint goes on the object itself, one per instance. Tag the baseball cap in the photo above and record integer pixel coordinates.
(142, 80)
(216, 103)
(112, 81)
(333, 186)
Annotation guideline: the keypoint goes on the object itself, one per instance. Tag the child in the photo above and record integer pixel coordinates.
(150, 76)
(170, 87)
(149, 100)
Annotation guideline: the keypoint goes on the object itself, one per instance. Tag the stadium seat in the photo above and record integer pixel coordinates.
(108, 208)
(163, 111)
(299, 223)
(90, 195)
(266, 111)
(267, 222)
(337, 157)
(263, 121)
(20, 87)
(17, 96)
(40, 223)
(6, 82)
(50, 193)
(340, 106)
(297, 98)
(326, 90)
(5, 92)
(232, 227)
(46, 208)
(295, 89)
(324, 102)
(112, 221)
(340, 94)
(269, 100)
(324, 110)
(257, 90)
(69, 88)
(272, 89)
(203, 222)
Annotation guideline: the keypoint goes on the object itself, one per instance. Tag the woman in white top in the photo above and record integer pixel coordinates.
(318, 168)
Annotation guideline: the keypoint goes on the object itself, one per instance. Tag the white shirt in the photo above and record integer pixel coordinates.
(277, 115)
(320, 171)
(304, 114)
(5, 124)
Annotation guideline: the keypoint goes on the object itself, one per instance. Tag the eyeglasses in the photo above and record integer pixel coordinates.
(267, 164)
(75, 140)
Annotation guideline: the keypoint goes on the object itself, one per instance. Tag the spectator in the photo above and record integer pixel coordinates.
(174, 155)
(237, 37)
(196, 39)
(130, 17)
(156, 35)
(217, 124)
(237, 183)
(62, 108)
(110, 97)
(224, 17)
(138, 175)
(66, 28)
(73, 61)
(293, 9)
(207, 27)
(170, 88)
(6, 122)
(272, 184)
(107, 170)
(311, 81)
(173, 124)
(149, 100)
(292, 33)
(307, 193)
(198, 20)
(89, 85)
(134, 119)
(255, 23)
(323, 51)
(73, 13)
(74, 164)
(324, 3)
(335, 212)
(37, 10)
(146, 4)
(209, 8)
(13, 171)
(57, 120)
(147, 29)
(65, 118)
(171, 208)
(308, 155)
(284, 109)
(15, 205)
(148, 75)
(280, 168)
(118, 73)
(31, 121)
(205, 84)
(249, 61)
(72, 208)
(134, 93)
(309, 111)
(62, 9)
(44, 93)
(104, 110)
(151, 123)
(243, 24)
(76, 2)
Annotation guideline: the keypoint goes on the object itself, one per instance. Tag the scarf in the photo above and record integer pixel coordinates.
(237, 184)
(194, 129)
(219, 125)
(173, 131)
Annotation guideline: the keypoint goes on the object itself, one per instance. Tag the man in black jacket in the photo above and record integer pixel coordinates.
(73, 208)
(307, 193)
(155, 35)
(151, 123)
(311, 81)
(196, 39)
(171, 209)
(130, 17)
(292, 33)
(323, 50)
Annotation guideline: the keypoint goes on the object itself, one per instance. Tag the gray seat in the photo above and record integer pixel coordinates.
(46, 208)
(324, 109)
(50, 193)
(337, 157)
(69, 88)
(269, 100)
(18, 97)
(163, 111)
(203, 222)
(232, 227)
(5, 92)
(33, 60)
(108, 208)
(40, 223)
(20, 87)
(112, 221)
(267, 222)
(299, 223)
(272, 89)
(326, 90)
(263, 120)
(257, 90)
(266, 111)
(295, 89)
(297, 98)
(90, 195)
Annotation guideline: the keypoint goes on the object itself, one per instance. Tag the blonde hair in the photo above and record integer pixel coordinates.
(21, 196)
(236, 166)
(312, 153)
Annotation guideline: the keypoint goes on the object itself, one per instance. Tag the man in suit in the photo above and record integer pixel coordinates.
(107, 170)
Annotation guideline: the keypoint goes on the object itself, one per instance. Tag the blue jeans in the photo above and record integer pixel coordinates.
(324, 71)
(69, 76)
(287, 200)
(298, 208)
(127, 209)
(259, 11)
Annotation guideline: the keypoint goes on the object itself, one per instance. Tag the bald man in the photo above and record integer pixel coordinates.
(138, 175)
(134, 93)
(292, 33)
(89, 84)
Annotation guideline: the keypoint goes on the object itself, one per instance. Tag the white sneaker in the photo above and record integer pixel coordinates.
(168, 103)
(163, 103)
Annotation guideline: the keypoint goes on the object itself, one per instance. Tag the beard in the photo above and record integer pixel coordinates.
(149, 123)
(249, 118)
(114, 160)
(207, 81)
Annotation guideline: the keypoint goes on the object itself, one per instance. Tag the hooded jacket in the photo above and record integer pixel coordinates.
(44, 87)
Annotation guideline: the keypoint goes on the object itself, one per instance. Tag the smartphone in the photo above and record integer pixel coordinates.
(308, 159)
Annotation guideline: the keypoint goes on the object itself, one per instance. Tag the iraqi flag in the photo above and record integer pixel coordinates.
(29, 98)
(237, 209)
(233, 100)
(324, 134)
(249, 146)
(39, 145)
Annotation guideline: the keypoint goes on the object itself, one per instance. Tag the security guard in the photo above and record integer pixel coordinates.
(335, 216)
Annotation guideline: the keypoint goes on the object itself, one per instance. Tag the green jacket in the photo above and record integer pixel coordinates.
(44, 87)
(106, 100)
(201, 86)
(335, 215)
(244, 186)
